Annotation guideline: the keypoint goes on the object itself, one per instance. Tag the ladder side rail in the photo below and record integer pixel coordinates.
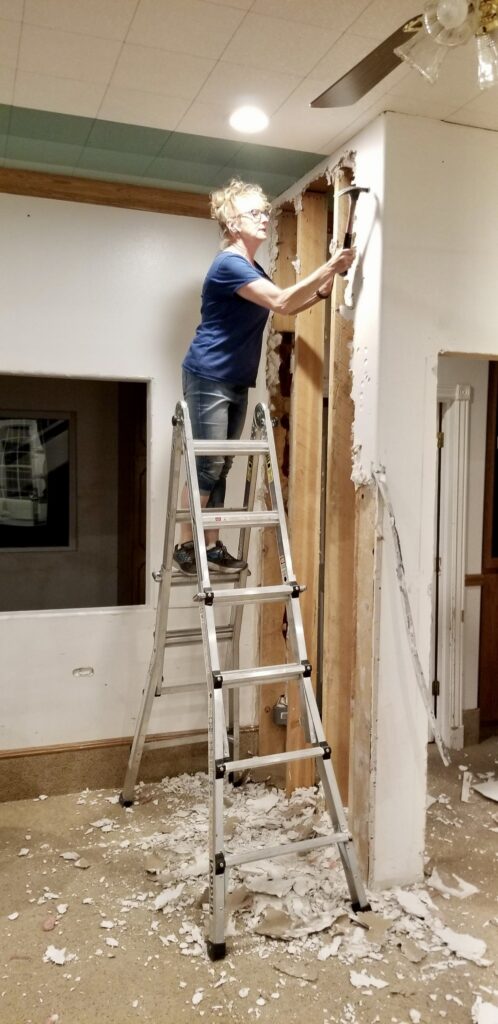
(194, 495)
(346, 850)
(276, 496)
(237, 610)
(156, 665)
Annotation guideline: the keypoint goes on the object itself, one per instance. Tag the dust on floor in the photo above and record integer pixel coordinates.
(103, 912)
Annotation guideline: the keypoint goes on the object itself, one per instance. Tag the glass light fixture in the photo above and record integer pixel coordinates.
(450, 22)
(423, 54)
(487, 59)
(249, 119)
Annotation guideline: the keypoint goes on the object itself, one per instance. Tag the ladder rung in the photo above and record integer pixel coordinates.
(230, 447)
(259, 676)
(269, 759)
(181, 637)
(220, 518)
(299, 846)
(247, 595)
(183, 514)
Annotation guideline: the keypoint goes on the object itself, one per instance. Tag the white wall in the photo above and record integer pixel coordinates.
(90, 291)
(438, 272)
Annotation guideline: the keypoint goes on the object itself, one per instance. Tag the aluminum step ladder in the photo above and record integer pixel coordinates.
(222, 736)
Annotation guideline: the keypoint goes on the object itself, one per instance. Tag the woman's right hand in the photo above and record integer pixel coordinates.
(342, 260)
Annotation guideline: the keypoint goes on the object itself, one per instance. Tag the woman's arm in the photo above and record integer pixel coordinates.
(302, 295)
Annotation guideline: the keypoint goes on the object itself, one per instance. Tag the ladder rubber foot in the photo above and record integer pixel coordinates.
(125, 803)
(357, 906)
(216, 950)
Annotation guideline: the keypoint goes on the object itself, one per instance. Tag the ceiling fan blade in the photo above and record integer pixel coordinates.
(369, 71)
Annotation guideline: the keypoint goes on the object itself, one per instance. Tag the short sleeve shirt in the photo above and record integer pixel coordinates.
(227, 342)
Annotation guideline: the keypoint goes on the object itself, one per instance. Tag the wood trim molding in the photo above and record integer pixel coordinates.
(103, 193)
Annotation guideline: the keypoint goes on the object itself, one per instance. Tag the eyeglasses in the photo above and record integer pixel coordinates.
(256, 215)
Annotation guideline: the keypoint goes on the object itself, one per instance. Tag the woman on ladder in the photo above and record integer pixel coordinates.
(222, 361)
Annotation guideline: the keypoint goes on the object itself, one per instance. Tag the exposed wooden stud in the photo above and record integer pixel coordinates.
(364, 668)
(338, 636)
(103, 193)
(272, 738)
(305, 457)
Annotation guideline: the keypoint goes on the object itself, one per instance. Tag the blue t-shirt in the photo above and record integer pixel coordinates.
(227, 342)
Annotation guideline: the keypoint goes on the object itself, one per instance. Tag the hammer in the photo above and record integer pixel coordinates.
(353, 192)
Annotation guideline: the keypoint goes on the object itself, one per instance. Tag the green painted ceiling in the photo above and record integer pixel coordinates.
(85, 147)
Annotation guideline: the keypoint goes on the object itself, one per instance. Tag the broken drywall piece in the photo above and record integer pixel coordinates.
(413, 904)
(488, 789)
(466, 784)
(269, 886)
(168, 896)
(70, 855)
(463, 890)
(278, 924)
(377, 927)
(360, 979)
(465, 946)
(57, 956)
(331, 948)
(484, 1013)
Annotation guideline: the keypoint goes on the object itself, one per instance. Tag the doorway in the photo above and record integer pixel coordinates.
(488, 645)
(464, 653)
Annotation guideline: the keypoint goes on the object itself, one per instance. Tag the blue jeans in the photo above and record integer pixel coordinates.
(217, 412)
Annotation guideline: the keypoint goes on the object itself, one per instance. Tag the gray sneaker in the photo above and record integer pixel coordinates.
(184, 558)
(220, 560)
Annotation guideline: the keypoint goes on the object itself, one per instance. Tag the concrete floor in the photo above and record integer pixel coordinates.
(126, 961)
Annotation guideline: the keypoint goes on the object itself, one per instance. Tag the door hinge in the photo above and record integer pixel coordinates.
(435, 687)
(440, 439)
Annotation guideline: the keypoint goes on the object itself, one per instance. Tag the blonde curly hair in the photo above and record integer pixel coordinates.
(223, 207)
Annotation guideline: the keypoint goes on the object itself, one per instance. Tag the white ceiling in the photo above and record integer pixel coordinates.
(183, 65)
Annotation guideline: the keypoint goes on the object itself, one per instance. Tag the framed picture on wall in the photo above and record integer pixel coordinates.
(37, 479)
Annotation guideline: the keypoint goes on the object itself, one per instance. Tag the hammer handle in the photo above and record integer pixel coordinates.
(348, 238)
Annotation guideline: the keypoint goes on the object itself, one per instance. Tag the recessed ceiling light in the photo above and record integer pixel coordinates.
(249, 119)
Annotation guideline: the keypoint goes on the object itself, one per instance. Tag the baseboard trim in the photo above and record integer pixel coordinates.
(30, 772)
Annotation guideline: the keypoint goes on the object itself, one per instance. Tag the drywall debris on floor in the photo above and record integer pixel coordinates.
(488, 789)
(145, 895)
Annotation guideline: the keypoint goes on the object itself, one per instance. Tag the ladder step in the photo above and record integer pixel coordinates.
(260, 676)
(230, 447)
(248, 595)
(183, 688)
(220, 518)
(269, 759)
(298, 846)
(182, 637)
(183, 515)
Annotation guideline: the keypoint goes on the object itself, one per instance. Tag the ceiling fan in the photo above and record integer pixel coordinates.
(423, 42)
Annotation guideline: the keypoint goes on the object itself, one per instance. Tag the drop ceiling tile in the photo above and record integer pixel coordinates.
(189, 26)
(7, 76)
(273, 44)
(259, 159)
(44, 92)
(271, 183)
(12, 10)
(152, 70)
(108, 160)
(10, 33)
(135, 106)
(67, 54)
(33, 165)
(338, 15)
(107, 19)
(42, 126)
(41, 151)
(210, 119)
(230, 86)
(126, 138)
(199, 149)
(481, 112)
(315, 125)
(382, 17)
(165, 169)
